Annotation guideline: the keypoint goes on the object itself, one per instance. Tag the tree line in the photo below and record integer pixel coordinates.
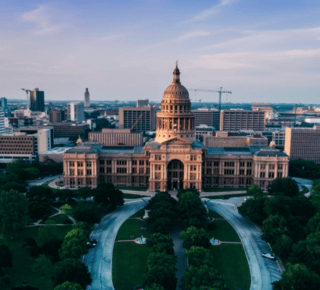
(290, 222)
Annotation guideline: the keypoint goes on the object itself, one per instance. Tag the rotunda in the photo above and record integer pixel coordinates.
(175, 118)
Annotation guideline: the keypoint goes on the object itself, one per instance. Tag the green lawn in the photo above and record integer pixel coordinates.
(222, 196)
(132, 227)
(22, 262)
(139, 213)
(223, 231)
(214, 214)
(131, 196)
(59, 218)
(132, 188)
(223, 189)
(129, 264)
(231, 262)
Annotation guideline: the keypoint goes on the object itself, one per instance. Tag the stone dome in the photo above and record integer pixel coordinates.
(176, 90)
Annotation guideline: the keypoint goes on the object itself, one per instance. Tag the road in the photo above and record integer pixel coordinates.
(304, 182)
(99, 259)
(37, 182)
(263, 271)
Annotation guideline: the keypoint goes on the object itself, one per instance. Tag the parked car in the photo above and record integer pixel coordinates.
(93, 241)
(268, 256)
(91, 245)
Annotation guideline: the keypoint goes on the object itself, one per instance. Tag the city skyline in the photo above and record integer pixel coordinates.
(124, 51)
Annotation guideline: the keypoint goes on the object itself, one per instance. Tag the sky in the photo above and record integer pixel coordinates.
(262, 51)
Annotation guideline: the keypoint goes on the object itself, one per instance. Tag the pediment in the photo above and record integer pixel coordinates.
(176, 141)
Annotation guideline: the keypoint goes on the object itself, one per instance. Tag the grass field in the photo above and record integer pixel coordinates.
(129, 265)
(132, 227)
(23, 263)
(131, 196)
(59, 218)
(130, 259)
(231, 262)
(223, 189)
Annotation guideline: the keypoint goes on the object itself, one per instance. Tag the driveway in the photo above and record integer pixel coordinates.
(99, 259)
(263, 271)
(37, 182)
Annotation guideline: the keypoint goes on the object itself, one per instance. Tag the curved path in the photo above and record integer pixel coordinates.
(99, 259)
(263, 271)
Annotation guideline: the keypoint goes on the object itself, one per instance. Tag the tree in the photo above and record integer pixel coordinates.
(314, 238)
(155, 286)
(37, 210)
(195, 237)
(87, 229)
(198, 256)
(273, 227)
(41, 193)
(165, 248)
(286, 186)
(51, 248)
(74, 245)
(255, 191)
(196, 277)
(31, 245)
(159, 238)
(85, 192)
(161, 225)
(5, 257)
(254, 210)
(297, 277)
(162, 276)
(13, 212)
(283, 246)
(48, 231)
(314, 223)
(108, 196)
(87, 213)
(66, 209)
(72, 270)
(69, 286)
(42, 265)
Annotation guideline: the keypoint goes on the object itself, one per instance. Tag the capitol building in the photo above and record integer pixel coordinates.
(175, 158)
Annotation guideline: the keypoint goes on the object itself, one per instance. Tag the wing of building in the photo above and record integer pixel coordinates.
(175, 159)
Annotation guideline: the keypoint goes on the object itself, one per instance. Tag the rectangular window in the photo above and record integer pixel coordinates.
(121, 170)
(262, 166)
(216, 163)
(141, 162)
(242, 164)
(157, 157)
(101, 162)
(241, 172)
(108, 162)
(262, 174)
(108, 170)
(121, 162)
(101, 169)
(89, 164)
(134, 162)
(89, 172)
(248, 171)
(229, 164)
(134, 170)
(271, 174)
(141, 170)
(249, 164)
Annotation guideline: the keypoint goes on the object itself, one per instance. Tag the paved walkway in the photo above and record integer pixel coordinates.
(263, 271)
(179, 250)
(99, 259)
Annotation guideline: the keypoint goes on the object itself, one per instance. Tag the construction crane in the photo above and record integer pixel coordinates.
(136, 122)
(220, 92)
(27, 97)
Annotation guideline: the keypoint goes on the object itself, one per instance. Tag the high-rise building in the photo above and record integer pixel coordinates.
(137, 119)
(36, 100)
(76, 112)
(205, 116)
(87, 98)
(2, 125)
(234, 120)
(303, 143)
(142, 103)
(3, 104)
(57, 115)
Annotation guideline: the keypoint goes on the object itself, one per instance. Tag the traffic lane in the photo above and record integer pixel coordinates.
(263, 271)
(99, 259)
(38, 182)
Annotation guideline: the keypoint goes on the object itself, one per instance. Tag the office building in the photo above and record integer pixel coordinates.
(203, 130)
(3, 103)
(175, 159)
(57, 115)
(278, 137)
(235, 120)
(205, 116)
(117, 137)
(87, 98)
(76, 112)
(36, 100)
(303, 143)
(137, 118)
(68, 129)
(2, 124)
(142, 103)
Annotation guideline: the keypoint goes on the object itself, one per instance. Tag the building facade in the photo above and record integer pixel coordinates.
(36, 100)
(234, 120)
(57, 115)
(137, 118)
(67, 129)
(174, 159)
(87, 98)
(303, 143)
(142, 103)
(76, 112)
(205, 116)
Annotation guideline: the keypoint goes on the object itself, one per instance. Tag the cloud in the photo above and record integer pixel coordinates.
(42, 20)
(213, 10)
